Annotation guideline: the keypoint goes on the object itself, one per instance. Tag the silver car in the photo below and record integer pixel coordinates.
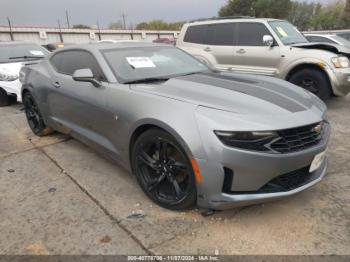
(269, 47)
(188, 133)
(327, 38)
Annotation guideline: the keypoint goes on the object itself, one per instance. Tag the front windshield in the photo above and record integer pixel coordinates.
(14, 52)
(288, 33)
(138, 63)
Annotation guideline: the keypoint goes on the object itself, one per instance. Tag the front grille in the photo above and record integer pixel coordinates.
(300, 138)
(288, 181)
(282, 183)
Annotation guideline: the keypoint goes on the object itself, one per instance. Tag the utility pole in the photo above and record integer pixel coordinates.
(99, 30)
(124, 20)
(67, 17)
(10, 27)
(60, 33)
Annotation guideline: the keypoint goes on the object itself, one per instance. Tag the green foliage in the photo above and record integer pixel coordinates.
(301, 14)
(81, 26)
(238, 8)
(159, 25)
(346, 15)
(305, 15)
(328, 17)
(278, 9)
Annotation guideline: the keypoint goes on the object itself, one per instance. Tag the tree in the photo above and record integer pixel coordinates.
(81, 26)
(301, 14)
(238, 8)
(328, 17)
(346, 15)
(159, 25)
(278, 9)
(115, 25)
(257, 8)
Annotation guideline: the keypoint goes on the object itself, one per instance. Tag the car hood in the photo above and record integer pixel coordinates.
(244, 94)
(11, 68)
(337, 49)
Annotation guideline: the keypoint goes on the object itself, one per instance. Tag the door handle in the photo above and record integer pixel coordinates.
(56, 84)
(207, 49)
(241, 51)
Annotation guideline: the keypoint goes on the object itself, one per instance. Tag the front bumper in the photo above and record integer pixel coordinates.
(340, 80)
(12, 88)
(227, 201)
(251, 172)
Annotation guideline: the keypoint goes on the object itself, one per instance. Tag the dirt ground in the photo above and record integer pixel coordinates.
(57, 196)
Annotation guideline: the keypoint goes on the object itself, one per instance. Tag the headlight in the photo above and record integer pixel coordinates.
(247, 140)
(6, 76)
(341, 62)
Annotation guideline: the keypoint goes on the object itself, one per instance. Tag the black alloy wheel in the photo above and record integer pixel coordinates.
(34, 118)
(163, 170)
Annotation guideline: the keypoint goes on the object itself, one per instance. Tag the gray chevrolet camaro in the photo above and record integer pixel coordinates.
(189, 134)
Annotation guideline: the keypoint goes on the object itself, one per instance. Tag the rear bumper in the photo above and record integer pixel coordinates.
(340, 81)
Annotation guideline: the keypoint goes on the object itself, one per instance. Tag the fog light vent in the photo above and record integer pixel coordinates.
(228, 180)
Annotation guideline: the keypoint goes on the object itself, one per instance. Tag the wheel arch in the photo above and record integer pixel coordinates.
(148, 124)
(302, 66)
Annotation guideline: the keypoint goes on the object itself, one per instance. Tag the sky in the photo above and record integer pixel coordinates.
(47, 12)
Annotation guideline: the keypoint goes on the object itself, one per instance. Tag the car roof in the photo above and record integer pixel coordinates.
(232, 19)
(109, 46)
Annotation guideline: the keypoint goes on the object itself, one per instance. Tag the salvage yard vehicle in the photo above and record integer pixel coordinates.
(12, 57)
(327, 38)
(269, 47)
(188, 133)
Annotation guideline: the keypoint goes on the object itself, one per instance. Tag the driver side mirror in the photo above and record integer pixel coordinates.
(268, 40)
(86, 75)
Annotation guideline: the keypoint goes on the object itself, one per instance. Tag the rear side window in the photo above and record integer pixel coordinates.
(196, 34)
(251, 34)
(69, 61)
(221, 34)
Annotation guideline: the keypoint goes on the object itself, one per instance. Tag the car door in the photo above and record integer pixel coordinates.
(251, 55)
(79, 107)
(219, 43)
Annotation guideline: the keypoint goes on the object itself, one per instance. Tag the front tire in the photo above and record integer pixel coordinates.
(313, 80)
(34, 117)
(163, 170)
(4, 98)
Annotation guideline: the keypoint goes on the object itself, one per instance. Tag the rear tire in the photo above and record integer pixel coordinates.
(163, 170)
(34, 117)
(313, 80)
(4, 98)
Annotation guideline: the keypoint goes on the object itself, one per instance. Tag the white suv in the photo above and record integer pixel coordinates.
(269, 47)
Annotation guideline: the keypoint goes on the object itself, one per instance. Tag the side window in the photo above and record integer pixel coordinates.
(221, 34)
(56, 61)
(196, 34)
(251, 34)
(69, 61)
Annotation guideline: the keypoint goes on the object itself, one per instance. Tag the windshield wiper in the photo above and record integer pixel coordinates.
(26, 57)
(147, 80)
